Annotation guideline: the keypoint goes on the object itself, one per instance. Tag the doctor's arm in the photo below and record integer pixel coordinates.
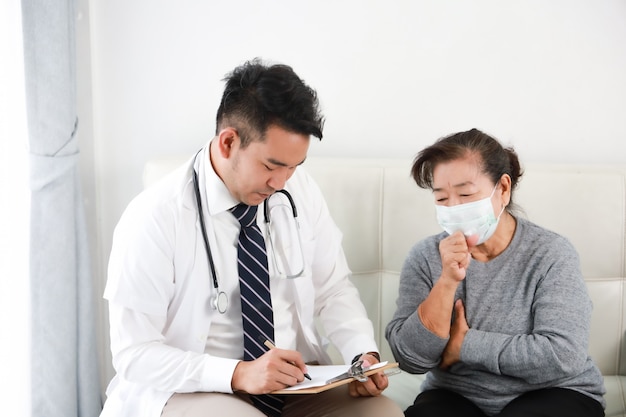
(139, 290)
(141, 355)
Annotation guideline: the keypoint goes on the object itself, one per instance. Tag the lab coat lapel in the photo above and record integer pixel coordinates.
(304, 298)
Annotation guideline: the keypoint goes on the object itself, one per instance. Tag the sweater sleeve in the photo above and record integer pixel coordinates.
(416, 348)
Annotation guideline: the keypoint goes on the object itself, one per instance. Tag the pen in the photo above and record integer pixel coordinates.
(270, 345)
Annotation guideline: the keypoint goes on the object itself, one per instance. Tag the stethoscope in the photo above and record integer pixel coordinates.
(220, 299)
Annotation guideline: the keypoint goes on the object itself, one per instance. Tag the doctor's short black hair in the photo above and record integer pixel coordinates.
(258, 95)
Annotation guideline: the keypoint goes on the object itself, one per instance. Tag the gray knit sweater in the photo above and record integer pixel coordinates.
(528, 311)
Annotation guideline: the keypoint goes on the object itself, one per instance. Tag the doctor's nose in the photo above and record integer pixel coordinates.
(277, 180)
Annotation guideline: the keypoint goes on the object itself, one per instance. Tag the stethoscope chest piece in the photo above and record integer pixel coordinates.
(220, 302)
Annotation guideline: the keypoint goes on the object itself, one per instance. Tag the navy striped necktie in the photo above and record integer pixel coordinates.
(256, 303)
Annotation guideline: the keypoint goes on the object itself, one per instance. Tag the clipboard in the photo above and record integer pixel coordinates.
(321, 373)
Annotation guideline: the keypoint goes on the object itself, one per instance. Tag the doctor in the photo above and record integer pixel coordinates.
(175, 306)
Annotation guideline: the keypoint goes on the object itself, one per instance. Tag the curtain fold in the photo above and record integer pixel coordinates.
(65, 380)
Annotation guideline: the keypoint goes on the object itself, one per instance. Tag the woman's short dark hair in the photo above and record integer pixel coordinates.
(257, 96)
(494, 159)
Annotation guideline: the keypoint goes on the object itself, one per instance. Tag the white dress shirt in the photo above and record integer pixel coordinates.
(165, 335)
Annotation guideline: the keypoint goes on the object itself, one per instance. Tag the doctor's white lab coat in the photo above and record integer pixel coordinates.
(159, 290)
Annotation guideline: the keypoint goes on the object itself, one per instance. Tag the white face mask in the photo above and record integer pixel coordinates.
(475, 218)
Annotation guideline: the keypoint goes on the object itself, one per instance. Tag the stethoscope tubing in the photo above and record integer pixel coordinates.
(220, 302)
(266, 210)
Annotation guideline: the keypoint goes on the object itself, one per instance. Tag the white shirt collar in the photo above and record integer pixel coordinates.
(217, 196)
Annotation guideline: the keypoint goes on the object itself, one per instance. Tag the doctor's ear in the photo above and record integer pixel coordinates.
(227, 139)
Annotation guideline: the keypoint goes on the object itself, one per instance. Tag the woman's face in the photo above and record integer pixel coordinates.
(461, 181)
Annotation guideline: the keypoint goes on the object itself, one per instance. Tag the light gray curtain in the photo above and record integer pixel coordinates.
(65, 381)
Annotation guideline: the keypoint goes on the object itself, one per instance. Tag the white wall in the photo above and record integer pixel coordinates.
(547, 77)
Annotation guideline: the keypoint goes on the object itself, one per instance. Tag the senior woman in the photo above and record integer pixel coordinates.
(494, 308)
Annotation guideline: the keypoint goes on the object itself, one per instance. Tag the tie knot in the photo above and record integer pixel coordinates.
(245, 214)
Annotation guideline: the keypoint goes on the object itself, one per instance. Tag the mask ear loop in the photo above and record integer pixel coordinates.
(501, 211)
(492, 194)
(504, 205)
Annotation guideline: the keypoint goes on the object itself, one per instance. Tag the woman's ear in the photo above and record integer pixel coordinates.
(505, 184)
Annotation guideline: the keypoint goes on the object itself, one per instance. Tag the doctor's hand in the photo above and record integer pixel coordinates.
(455, 255)
(276, 369)
(375, 383)
(452, 352)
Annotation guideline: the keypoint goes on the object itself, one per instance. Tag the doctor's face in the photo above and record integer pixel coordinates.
(261, 168)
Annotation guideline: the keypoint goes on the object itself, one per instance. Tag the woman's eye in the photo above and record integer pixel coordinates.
(268, 168)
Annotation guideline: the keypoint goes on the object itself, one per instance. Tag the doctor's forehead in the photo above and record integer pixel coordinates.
(282, 148)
